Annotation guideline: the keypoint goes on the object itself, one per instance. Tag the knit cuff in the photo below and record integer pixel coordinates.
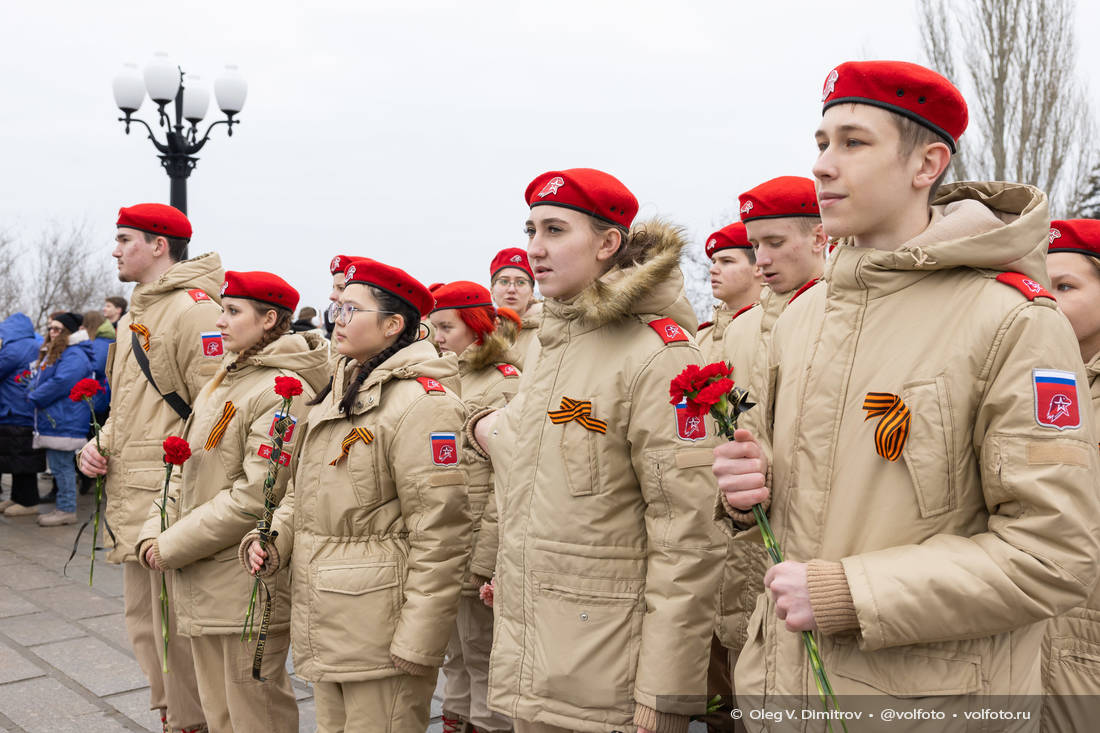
(743, 520)
(650, 719)
(270, 566)
(411, 668)
(140, 550)
(157, 556)
(468, 429)
(830, 597)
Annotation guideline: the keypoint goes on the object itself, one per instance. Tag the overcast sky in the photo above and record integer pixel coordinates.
(408, 131)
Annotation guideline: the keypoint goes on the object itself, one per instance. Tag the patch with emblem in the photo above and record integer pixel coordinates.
(746, 207)
(508, 370)
(669, 330)
(289, 434)
(689, 427)
(1024, 284)
(198, 294)
(265, 452)
(212, 343)
(430, 385)
(552, 186)
(444, 449)
(1056, 402)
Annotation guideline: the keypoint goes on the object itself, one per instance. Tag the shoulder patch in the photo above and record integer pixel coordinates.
(508, 370)
(1025, 285)
(198, 294)
(746, 309)
(212, 343)
(803, 289)
(430, 385)
(707, 324)
(669, 330)
(1056, 401)
(444, 448)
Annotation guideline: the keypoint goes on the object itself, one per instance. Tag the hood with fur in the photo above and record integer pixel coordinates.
(203, 273)
(475, 358)
(652, 286)
(305, 354)
(995, 226)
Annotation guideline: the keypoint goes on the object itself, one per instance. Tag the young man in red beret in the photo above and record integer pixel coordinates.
(167, 349)
(735, 280)
(922, 437)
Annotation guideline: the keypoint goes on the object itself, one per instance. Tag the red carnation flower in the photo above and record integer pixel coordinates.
(287, 387)
(85, 389)
(176, 450)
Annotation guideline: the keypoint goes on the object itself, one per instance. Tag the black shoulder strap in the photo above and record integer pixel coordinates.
(174, 400)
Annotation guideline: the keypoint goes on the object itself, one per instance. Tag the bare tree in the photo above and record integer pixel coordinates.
(1030, 119)
(695, 265)
(67, 274)
(10, 282)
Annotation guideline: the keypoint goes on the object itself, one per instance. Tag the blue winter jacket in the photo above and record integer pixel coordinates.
(54, 413)
(18, 349)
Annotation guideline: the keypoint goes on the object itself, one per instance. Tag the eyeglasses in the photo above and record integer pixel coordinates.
(342, 312)
(519, 283)
(54, 328)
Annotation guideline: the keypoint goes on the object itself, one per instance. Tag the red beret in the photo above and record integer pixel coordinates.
(779, 198)
(462, 294)
(393, 280)
(731, 237)
(511, 257)
(160, 219)
(1076, 235)
(338, 263)
(910, 90)
(585, 189)
(262, 286)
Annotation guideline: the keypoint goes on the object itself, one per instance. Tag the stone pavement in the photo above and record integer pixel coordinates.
(65, 661)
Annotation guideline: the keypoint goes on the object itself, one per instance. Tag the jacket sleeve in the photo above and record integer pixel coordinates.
(72, 366)
(685, 548)
(1037, 555)
(483, 561)
(195, 368)
(222, 521)
(437, 516)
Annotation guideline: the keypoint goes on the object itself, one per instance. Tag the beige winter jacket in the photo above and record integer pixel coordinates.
(1071, 649)
(376, 537)
(487, 380)
(932, 574)
(709, 337)
(176, 310)
(221, 490)
(609, 559)
(744, 345)
(526, 338)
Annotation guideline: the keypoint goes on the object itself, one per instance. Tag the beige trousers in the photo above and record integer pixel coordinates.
(467, 668)
(231, 699)
(400, 704)
(177, 691)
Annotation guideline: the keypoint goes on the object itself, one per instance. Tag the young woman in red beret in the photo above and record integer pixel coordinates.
(375, 523)
(1073, 261)
(513, 287)
(219, 497)
(609, 555)
(466, 324)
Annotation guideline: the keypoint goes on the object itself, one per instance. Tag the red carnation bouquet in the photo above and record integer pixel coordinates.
(709, 388)
(176, 453)
(86, 390)
(288, 388)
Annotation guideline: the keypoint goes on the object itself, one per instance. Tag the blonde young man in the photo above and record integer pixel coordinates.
(924, 441)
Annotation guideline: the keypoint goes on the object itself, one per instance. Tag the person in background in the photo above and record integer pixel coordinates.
(61, 424)
(101, 336)
(735, 280)
(306, 322)
(513, 286)
(114, 308)
(18, 350)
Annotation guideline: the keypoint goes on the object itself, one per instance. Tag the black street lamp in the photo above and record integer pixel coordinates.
(166, 82)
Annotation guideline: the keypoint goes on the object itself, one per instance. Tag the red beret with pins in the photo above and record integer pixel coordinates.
(733, 236)
(338, 263)
(159, 219)
(1075, 235)
(264, 287)
(909, 90)
(511, 257)
(393, 280)
(587, 190)
(779, 198)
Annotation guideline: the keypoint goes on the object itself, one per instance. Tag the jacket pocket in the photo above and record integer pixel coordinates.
(1073, 667)
(144, 464)
(579, 455)
(912, 671)
(362, 468)
(596, 669)
(354, 607)
(162, 365)
(929, 450)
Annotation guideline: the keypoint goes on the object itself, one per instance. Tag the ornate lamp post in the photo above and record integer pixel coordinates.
(165, 82)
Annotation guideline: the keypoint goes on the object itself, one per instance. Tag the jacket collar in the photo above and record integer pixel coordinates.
(200, 273)
(419, 359)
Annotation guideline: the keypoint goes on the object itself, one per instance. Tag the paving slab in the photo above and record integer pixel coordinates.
(42, 704)
(94, 665)
(39, 628)
(15, 666)
(15, 605)
(74, 601)
(135, 706)
(111, 627)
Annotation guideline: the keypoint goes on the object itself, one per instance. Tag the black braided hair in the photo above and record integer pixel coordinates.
(409, 335)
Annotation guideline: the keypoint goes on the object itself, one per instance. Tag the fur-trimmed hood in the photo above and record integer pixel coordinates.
(494, 351)
(654, 285)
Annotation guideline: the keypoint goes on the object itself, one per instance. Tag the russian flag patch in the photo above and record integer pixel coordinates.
(289, 434)
(444, 449)
(1056, 403)
(689, 427)
(212, 343)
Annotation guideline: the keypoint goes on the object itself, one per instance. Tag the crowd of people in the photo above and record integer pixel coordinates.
(480, 481)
